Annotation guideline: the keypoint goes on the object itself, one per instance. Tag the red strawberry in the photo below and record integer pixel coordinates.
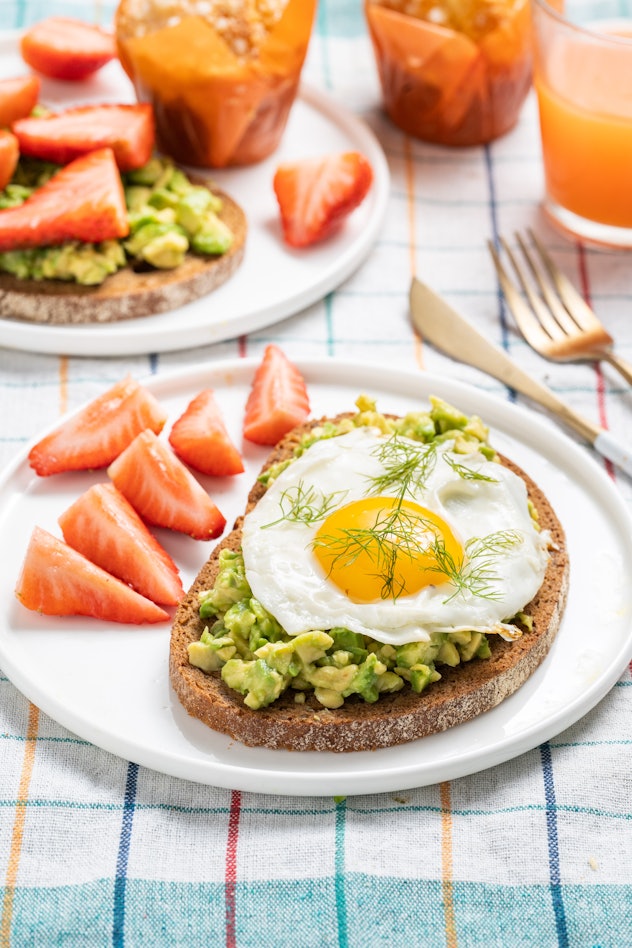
(278, 399)
(58, 581)
(316, 194)
(66, 48)
(98, 433)
(105, 528)
(127, 129)
(9, 154)
(200, 439)
(163, 491)
(83, 201)
(18, 97)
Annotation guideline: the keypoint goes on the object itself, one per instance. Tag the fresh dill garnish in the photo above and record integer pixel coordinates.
(465, 472)
(475, 574)
(306, 505)
(407, 466)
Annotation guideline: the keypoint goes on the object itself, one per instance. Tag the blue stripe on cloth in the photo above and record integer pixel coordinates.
(120, 882)
(341, 905)
(493, 211)
(553, 846)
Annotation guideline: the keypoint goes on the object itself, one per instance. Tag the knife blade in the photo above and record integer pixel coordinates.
(441, 325)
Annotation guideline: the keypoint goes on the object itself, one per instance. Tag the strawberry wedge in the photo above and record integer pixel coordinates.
(57, 581)
(278, 399)
(18, 97)
(315, 195)
(163, 491)
(127, 129)
(103, 526)
(83, 201)
(67, 48)
(9, 154)
(200, 439)
(97, 434)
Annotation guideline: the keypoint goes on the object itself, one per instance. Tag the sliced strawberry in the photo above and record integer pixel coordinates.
(278, 399)
(58, 581)
(9, 154)
(163, 491)
(105, 528)
(83, 201)
(200, 439)
(18, 97)
(316, 194)
(63, 136)
(98, 433)
(66, 48)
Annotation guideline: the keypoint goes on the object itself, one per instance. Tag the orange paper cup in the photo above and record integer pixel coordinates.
(442, 85)
(214, 105)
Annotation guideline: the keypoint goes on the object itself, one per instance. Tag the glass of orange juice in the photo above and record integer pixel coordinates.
(583, 79)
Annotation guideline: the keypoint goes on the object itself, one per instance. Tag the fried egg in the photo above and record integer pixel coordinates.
(394, 539)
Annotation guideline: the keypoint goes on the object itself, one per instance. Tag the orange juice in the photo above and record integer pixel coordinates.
(587, 139)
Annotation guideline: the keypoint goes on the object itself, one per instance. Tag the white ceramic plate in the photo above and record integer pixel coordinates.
(273, 281)
(109, 684)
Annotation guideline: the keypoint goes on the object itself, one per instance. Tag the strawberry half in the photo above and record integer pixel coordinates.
(61, 137)
(278, 399)
(200, 439)
(99, 432)
(66, 48)
(105, 528)
(315, 195)
(163, 491)
(9, 154)
(83, 201)
(18, 97)
(57, 581)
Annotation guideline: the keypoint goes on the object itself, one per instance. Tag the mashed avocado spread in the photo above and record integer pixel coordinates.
(257, 658)
(168, 216)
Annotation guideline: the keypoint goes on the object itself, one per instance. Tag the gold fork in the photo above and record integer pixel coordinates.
(554, 319)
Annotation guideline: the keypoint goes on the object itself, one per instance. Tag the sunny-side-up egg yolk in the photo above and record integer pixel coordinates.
(396, 556)
(307, 561)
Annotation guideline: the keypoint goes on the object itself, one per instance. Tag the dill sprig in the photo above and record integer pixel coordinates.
(476, 573)
(465, 472)
(306, 505)
(407, 466)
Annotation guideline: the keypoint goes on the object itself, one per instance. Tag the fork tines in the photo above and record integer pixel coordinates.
(551, 314)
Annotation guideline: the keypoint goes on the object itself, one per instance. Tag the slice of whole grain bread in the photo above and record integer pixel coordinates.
(461, 694)
(128, 293)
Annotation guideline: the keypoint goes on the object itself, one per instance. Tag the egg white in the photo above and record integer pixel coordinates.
(287, 579)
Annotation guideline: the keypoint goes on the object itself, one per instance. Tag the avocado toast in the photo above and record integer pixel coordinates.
(463, 688)
(184, 241)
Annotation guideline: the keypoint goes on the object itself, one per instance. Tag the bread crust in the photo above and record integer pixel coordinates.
(461, 694)
(128, 293)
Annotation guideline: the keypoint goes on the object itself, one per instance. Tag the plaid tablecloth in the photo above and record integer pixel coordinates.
(537, 851)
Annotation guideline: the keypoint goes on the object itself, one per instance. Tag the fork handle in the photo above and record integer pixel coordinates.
(618, 363)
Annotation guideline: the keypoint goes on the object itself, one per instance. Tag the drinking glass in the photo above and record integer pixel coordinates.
(583, 79)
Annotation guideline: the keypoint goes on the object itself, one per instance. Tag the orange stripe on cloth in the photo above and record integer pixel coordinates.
(63, 385)
(447, 892)
(18, 826)
(409, 174)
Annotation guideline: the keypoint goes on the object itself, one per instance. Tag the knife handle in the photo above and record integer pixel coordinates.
(614, 451)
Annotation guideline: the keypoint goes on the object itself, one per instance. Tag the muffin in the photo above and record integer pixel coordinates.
(222, 75)
(455, 73)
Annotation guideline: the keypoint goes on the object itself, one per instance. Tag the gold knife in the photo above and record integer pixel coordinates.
(442, 326)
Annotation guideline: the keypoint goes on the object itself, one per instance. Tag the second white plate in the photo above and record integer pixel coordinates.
(109, 684)
(273, 282)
